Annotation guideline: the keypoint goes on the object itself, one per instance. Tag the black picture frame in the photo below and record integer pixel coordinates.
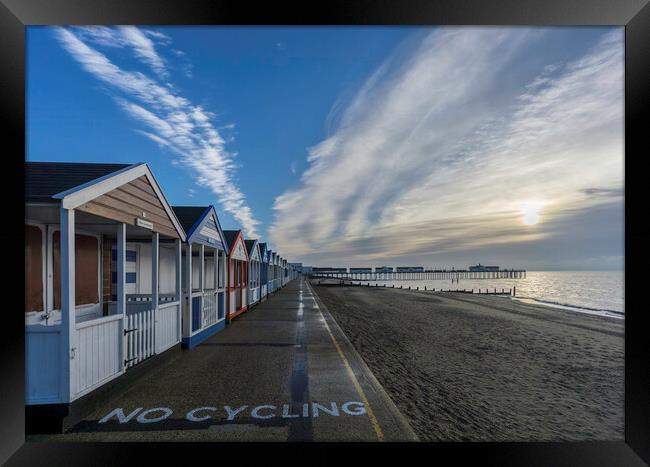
(15, 15)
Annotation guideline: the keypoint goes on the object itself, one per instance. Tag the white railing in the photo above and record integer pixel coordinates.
(96, 358)
(165, 329)
(254, 295)
(235, 304)
(209, 310)
(140, 329)
(168, 326)
(97, 355)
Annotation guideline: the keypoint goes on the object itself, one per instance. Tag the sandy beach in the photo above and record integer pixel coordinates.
(465, 367)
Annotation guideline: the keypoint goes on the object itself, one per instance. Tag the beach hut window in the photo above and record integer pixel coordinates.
(196, 268)
(86, 269)
(167, 271)
(34, 268)
(210, 276)
(221, 269)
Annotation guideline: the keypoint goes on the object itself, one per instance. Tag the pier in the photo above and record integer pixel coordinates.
(421, 275)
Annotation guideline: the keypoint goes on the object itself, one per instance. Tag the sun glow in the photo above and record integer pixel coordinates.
(530, 212)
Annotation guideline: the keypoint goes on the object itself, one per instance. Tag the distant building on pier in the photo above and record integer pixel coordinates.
(410, 269)
(480, 268)
(384, 269)
(329, 270)
(297, 267)
(360, 270)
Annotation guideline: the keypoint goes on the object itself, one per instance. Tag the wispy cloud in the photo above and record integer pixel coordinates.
(171, 120)
(438, 151)
(144, 49)
(131, 37)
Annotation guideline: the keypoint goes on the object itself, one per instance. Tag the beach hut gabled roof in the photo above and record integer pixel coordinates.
(252, 247)
(236, 245)
(43, 180)
(263, 252)
(198, 225)
(231, 236)
(78, 185)
(190, 216)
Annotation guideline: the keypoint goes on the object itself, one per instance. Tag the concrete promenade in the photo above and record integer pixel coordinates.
(283, 371)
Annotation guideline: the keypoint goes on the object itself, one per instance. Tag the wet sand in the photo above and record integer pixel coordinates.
(465, 367)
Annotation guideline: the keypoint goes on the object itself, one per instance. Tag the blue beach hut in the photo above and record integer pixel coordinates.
(264, 270)
(204, 273)
(273, 276)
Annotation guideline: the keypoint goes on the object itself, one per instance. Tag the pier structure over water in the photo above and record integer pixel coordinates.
(456, 274)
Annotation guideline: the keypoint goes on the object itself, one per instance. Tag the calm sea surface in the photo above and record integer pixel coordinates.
(596, 292)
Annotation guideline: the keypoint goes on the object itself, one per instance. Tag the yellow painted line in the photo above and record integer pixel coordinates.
(355, 382)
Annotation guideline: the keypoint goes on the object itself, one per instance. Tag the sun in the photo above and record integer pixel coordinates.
(530, 212)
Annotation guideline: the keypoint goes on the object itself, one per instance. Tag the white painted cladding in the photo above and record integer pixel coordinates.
(255, 254)
(167, 326)
(239, 251)
(209, 232)
(42, 364)
(97, 357)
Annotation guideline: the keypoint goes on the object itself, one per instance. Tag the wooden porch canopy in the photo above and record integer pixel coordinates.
(130, 196)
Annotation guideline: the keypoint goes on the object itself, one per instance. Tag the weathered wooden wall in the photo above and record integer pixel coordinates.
(130, 201)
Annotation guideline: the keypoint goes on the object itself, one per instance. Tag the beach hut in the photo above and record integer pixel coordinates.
(264, 271)
(283, 271)
(102, 279)
(276, 273)
(254, 266)
(271, 275)
(237, 285)
(204, 273)
(295, 270)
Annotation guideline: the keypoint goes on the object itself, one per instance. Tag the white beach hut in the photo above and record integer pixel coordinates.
(254, 271)
(275, 276)
(270, 271)
(102, 292)
(264, 271)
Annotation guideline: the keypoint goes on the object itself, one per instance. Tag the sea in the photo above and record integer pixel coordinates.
(593, 292)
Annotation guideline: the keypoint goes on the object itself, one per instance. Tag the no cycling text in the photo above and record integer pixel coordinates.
(228, 413)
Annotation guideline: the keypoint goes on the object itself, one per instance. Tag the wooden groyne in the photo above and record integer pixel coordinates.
(344, 282)
(424, 275)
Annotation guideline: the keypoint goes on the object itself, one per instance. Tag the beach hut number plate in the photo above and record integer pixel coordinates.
(143, 223)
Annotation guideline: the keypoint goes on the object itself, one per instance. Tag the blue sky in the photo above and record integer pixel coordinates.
(344, 145)
(275, 85)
